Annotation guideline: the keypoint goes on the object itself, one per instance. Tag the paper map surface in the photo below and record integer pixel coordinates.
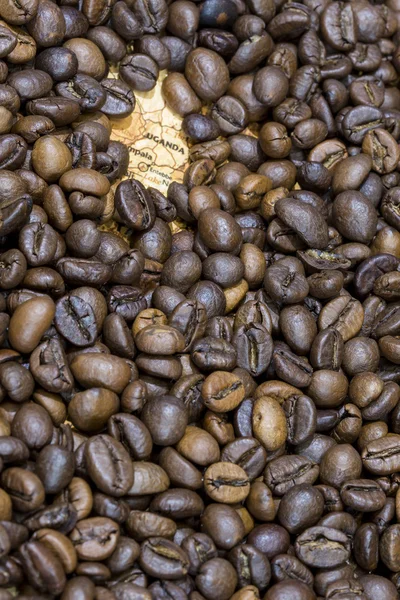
(157, 147)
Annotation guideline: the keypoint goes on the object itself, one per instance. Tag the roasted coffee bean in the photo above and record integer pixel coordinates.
(247, 453)
(363, 494)
(36, 316)
(180, 471)
(199, 446)
(179, 96)
(55, 467)
(109, 465)
(92, 370)
(269, 423)
(75, 320)
(286, 567)
(230, 115)
(223, 525)
(304, 220)
(95, 538)
(24, 488)
(300, 507)
(8, 40)
(298, 328)
(301, 417)
(209, 580)
(290, 367)
(222, 391)
(252, 567)
(205, 68)
(226, 482)
(139, 71)
(383, 149)
(134, 205)
(61, 517)
(322, 546)
(284, 472)
(212, 353)
(161, 557)
(270, 539)
(366, 546)
(331, 467)
(32, 425)
(388, 547)
(285, 284)
(380, 456)
(181, 271)
(44, 570)
(167, 424)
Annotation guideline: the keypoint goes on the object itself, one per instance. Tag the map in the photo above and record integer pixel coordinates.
(157, 147)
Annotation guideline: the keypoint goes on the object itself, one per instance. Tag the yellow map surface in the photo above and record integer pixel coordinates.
(157, 147)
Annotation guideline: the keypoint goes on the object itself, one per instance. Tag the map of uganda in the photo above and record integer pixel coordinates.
(157, 147)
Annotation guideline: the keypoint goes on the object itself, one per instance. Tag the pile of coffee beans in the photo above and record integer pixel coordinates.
(199, 392)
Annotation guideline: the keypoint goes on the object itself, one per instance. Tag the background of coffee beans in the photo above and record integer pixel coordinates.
(209, 411)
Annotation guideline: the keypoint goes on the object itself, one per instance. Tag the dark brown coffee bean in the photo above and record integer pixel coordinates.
(43, 568)
(75, 320)
(284, 472)
(166, 424)
(109, 465)
(300, 507)
(205, 68)
(209, 580)
(285, 284)
(161, 557)
(95, 538)
(322, 546)
(366, 546)
(24, 488)
(331, 468)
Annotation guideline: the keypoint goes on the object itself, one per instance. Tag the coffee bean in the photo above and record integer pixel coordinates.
(301, 418)
(132, 433)
(166, 418)
(29, 322)
(161, 557)
(206, 66)
(345, 205)
(32, 425)
(300, 508)
(222, 391)
(284, 472)
(92, 370)
(109, 465)
(269, 423)
(44, 570)
(285, 284)
(209, 582)
(25, 489)
(380, 456)
(304, 220)
(322, 546)
(211, 353)
(286, 567)
(335, 475)
(364, 494)
(143, 525)
(55, 467)
(291, 368)
(342, 309)
(226, 482)
(179, 95)
(95, 538)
